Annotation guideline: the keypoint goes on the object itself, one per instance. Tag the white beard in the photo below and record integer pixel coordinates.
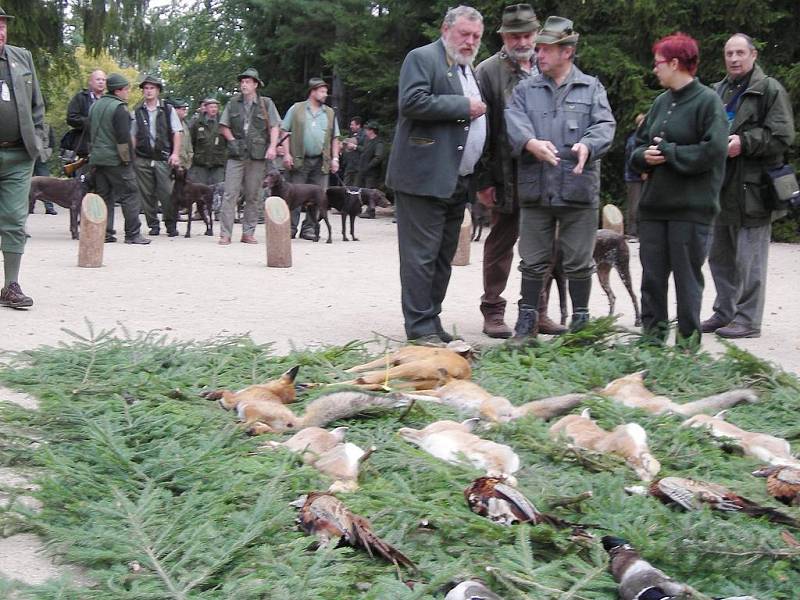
(455, 56)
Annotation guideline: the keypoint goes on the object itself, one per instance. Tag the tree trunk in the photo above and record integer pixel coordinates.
(93, 231)
(461, 259)
(277, 224)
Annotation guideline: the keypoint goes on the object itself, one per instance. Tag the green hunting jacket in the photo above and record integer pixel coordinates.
(765, 124)
(28, 96)
(210, 147)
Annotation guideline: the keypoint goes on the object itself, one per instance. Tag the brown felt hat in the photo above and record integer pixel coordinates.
(153, 80)
(316, 82)
(519, 18)
(252, 74)
(557, 30)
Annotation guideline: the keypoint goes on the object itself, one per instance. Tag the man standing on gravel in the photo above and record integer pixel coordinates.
(21, 121)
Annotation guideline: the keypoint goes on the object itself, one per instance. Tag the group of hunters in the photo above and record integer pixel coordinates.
(523, 133)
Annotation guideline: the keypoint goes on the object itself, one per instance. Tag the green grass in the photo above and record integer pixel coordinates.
(139, 469)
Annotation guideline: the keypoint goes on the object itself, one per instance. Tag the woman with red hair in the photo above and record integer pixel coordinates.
(681, 146)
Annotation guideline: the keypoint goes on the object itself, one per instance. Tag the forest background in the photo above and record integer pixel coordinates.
(199, 46)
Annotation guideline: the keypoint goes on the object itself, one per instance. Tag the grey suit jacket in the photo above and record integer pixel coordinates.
(30, 103)
(432, 125)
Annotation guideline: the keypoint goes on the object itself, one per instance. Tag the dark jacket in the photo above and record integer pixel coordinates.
(253, 145)
(77, 138)
(110, 132)
(581, 115)
(210, 147)
(163, 144)
(497, 77)
(28, 96)
(765, 124)
(694, 132)
(432, 125)
(371, 158)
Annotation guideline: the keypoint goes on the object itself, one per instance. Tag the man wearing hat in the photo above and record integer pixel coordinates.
(497, 176)
(559, 125)
(440, 135)
(209, 145)
(21, 119)
(251, 125)
(156, 131)
(186, 153)
(110, 157)
(369, 170)
(312, 150)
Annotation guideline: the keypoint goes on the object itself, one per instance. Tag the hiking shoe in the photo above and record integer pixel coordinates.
(137, 239)
(110, 239)
(495, 327)
(13, 297)
(154, 231)
(248, 238)
(172, 233)
(713, 323)
(736, 331)
(550, 327)
(224, 240)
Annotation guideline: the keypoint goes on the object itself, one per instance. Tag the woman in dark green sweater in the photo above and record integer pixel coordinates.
(681, 147)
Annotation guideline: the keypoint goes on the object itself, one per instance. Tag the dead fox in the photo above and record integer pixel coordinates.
(328, 453)
(628, 441)
(251, 402)
(275, 417)
(454, 442)
(631, 392)
(470, 398)
(417, 367)
(764, 447)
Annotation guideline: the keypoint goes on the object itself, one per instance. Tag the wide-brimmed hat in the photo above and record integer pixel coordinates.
(519, 18)
(372, 125)
(252, 74)
(557, 30)
(211, 101)
(3, 15)
(178, 102)
(316, 82)
(116, 81)
(153, 80)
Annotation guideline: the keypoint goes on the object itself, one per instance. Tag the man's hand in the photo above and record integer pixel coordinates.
(734, 146)
(582, 152)
(334, 165)
(271, 153)
(476, 108)
(544, 150)
(653, 156)
(487, 196)
(174, 160)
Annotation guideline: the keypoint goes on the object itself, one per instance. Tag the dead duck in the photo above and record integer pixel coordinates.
(783, 483)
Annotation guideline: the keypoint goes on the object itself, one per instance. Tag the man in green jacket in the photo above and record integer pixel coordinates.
(21, 119)
(110, 157)
(369, 171)
(210, 147)
(761, 131)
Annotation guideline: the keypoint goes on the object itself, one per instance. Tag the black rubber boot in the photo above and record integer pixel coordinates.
(579, 292)
(527, 326)
(530, 291)
(579, 320)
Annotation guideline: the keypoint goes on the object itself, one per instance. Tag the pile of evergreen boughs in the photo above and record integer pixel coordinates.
(157, 493)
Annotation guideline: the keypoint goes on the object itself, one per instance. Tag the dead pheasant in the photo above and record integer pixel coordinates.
(325, 516)
(783, 483)
(693, 494)
(493, 498)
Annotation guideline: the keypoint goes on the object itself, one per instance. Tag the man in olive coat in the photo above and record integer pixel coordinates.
(210, 147)
(21, 119)
(441, 130)
(761, 131)
(369, 171)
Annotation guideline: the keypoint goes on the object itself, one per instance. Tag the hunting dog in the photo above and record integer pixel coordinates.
(297, 195)
(186, 193)
(349, 200)
(67, 193)
(610, 251)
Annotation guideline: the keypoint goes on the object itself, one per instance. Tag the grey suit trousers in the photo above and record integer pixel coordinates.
(738, 261)
(427, 235)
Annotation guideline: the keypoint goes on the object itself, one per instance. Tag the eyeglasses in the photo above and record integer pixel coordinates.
(660, 62)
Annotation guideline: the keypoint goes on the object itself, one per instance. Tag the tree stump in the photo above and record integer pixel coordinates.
(461, 259)
(277, 225)
(612, 219)
(93, 231)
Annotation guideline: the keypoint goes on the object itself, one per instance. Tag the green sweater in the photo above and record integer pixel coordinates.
(694, 132)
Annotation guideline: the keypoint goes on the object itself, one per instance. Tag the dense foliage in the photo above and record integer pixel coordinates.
(158, 495)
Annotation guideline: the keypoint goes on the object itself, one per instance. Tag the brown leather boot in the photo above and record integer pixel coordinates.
(494, 326)
(550, 327)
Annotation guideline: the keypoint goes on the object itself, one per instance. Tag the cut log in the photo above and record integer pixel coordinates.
(612, 219)
(93, 231)
(461, 259)
(277, 224)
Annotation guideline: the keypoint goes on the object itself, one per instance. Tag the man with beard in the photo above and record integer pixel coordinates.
(559, 124)
(441, 130)
(497, 179)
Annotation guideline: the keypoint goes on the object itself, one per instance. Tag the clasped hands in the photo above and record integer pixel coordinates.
(545, 151)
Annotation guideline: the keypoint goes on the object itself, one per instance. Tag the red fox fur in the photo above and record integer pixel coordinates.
(628, 441)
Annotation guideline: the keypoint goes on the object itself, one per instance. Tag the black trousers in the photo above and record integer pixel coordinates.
(679, 248)
(427, 235)
(118, 184)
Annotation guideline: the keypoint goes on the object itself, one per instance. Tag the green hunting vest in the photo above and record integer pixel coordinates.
(257, 138)
(210, 148)
(298, 129)
(101, 123)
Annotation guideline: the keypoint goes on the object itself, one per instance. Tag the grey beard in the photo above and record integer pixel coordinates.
(519, 56)
(455, 56)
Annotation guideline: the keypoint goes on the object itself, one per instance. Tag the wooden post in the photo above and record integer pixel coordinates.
(277, 225)
(612, 219)
(93, 231)
(461, 259)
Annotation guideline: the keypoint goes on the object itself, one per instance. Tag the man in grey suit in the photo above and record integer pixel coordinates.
(441, 130)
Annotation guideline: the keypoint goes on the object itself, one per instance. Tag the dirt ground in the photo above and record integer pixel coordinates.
(193, 289)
